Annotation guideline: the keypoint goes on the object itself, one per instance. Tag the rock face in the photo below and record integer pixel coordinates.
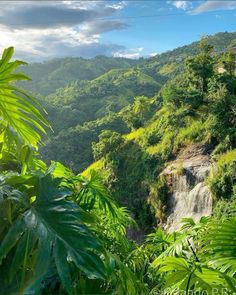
(189, 196)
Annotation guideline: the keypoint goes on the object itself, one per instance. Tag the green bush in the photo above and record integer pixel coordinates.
(109, 142)
(222, 179)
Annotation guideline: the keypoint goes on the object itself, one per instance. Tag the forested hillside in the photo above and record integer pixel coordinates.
(79, 112)
(47, 77)
(163, 142)
(194, 116)
(97, 92)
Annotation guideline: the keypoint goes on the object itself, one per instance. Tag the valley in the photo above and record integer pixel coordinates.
(118, 175)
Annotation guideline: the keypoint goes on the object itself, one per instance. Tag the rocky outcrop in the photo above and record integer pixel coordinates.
(188, 194)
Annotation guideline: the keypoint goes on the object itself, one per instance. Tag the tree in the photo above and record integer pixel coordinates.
(222, 106)
(176, 96)
(200, 68)
(109, 142)
(136, 114)
(228, 61)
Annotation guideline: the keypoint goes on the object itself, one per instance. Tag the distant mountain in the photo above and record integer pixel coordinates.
(84, 101)
(220, 41)
(48, 76)
(51, 75)
(79, 111)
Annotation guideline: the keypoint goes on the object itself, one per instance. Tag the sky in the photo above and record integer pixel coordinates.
(41, 30)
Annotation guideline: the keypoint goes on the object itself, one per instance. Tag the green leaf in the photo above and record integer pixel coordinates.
(18, 109)
(6, 56)
(62, 265)
(184, 276)
(56, 226)
(220, 243)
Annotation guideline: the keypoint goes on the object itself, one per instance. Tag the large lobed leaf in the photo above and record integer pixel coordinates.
(51, 229)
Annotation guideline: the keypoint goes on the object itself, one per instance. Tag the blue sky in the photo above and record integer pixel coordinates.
(41, 30)
(171, 26)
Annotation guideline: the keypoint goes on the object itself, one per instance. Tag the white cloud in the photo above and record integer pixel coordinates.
(46, 29)
(153, 54)
(127, 55)
(35, 44)
(119, 5)
(211, 5)
(139, 49)
(181, 4)
(133, 53)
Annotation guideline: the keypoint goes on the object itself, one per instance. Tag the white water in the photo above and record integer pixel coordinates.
(190, 196)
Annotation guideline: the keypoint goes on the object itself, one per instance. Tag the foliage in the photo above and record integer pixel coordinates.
(108, 141)
(195, 108)
(63, 233)
(135, 115)
(228, 62)
(158, 191)
(59, 232)
(81, 91)
(79, 112)
(222, 180)
(49, 221)
(50, 75)
(19, 112)
(76, 150)
(196, 264)
(177, 97)
(225, 208)
(167, 69)
(200, 68)
(223, 108)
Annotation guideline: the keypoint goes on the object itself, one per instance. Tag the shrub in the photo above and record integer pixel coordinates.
(158, 191)
(222, 179)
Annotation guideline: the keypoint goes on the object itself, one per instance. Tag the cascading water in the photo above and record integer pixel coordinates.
(189, 196)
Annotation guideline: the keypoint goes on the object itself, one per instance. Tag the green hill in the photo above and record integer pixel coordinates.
(51, 75)
(97, 88)
(161, 141)
(195, 110)
(83, 101)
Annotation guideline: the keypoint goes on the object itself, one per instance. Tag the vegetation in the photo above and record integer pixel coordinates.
(64, 233)
(49, 76)
(59, 232)
(196, 106)
(222, 180)
(87, 99)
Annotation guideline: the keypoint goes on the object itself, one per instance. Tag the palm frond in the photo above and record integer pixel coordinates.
(220, 244)
(18, 110)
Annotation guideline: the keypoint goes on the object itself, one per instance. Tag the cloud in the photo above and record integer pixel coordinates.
(210, 5)
(181, 4)
(127, 55)
(119, 5)
(91, 31)
(36, 45)
(153, 54)
(50, 14)
(46, 29)
(133, 53)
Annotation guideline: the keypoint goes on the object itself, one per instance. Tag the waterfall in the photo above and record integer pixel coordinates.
(189, 196)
